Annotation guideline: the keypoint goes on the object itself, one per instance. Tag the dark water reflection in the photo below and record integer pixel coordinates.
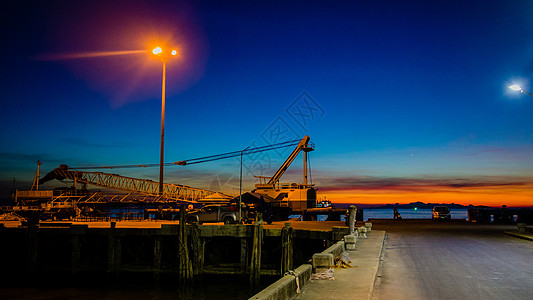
(133, 287)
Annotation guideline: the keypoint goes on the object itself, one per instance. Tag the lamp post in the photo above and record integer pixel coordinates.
(516, 87)
(164, 55)
(240, 188)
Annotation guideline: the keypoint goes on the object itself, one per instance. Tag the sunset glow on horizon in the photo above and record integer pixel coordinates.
(512, 196)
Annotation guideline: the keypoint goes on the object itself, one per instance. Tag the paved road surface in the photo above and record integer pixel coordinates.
(453, 260)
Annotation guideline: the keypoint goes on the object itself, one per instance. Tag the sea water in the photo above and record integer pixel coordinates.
(409, 213)
(406, 213)
(135, 287)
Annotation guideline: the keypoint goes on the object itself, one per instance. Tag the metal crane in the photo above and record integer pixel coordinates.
(296, 197)
(149, 187)
(304, 146)
(129, 184)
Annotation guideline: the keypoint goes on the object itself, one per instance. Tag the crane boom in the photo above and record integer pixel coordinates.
(118, 182)
(303, 145)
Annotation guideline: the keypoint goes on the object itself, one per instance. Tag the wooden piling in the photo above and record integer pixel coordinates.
(255, 261)
(114, 254)
(185, 272)
(286, 248)
(157, 257)
(77, 233)
(76, 250)
(198, 248)
(244, 255)
(32, 242)
(114, 250)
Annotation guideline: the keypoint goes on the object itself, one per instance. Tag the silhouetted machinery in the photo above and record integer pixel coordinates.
(129, 184)
(288, 198)
(280, 200)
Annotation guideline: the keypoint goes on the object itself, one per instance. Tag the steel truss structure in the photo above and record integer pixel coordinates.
(129, 184)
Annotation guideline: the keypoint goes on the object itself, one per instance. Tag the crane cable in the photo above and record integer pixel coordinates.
(204, 159)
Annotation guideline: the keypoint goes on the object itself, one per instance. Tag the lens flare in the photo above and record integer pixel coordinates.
(68, 56)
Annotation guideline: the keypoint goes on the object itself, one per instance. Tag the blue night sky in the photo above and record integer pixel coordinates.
(392, 93)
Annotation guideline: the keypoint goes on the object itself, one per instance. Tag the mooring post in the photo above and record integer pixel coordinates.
(75, 260)
(114, 250)
(77, 232)
(255, 261)
(244, 255)
(185, 264)
(351, 218)
(197, 250)
(32, 242)
(201, 256)
(157, 257)
(286, 248)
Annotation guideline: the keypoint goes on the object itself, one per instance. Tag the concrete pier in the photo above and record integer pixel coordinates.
(112, 248)
(350, 283)
(356, 282)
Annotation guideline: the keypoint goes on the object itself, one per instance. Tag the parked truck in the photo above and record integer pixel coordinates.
(229, 214)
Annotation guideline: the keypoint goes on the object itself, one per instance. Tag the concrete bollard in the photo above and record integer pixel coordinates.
(349, 241)
(351, 218)
(368, 226)
(322, 261)
(362, 232)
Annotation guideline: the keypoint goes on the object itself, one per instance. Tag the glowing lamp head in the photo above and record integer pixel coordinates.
(157, 51)
(515, 87)
(174, 52)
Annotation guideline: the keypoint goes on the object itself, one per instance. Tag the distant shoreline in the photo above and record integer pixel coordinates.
(418, 205)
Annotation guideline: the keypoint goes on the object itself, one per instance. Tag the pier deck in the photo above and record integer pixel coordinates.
(351, 283)
(303, 225)
(156, 247)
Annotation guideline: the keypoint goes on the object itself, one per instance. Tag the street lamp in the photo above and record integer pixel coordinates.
(240, 188)
(164, 55)
(516, 87)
